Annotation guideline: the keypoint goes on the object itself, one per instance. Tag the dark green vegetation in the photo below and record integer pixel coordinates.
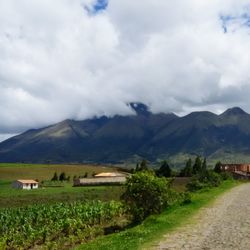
(154, 227)
(224, 137)
(147, 194)
(57, 225)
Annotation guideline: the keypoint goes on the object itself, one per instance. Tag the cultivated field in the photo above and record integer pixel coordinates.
(13, 171)
(10, 197)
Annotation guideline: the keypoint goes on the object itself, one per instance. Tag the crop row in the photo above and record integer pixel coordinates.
(38, 224)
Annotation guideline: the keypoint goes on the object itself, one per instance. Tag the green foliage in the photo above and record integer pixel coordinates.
(207, 179)
(226, 176)
(187, 170)
(185, 198)
(217, 167)
(23, 228)
(211, 178)
(197, 167)
(147, 194)
(204, 166)
(164, 170)
(195, 184)
(142, 166)
(55, 177)
(62, 177)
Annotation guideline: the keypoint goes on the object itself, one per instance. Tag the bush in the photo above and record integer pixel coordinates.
(195, 185)
(226, 176)
(211, 178)
(186, 198)
(147, 194)
(206, 179)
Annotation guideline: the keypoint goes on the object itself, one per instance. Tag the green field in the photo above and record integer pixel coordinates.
(10, 197)
(14, 171)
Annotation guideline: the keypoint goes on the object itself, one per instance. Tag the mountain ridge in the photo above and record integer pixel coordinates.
(144, 134)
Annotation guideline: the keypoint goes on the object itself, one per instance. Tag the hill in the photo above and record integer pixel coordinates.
(144, 134)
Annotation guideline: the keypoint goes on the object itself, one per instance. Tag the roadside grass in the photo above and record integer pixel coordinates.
(147, 234)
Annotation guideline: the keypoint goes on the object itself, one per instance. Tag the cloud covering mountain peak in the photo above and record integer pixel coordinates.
(59, 61)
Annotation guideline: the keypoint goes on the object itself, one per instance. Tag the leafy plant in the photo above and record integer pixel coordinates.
(147, 194)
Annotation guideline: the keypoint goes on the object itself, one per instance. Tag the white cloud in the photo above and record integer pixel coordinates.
(58, 61)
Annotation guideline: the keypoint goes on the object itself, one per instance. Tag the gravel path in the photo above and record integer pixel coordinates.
(223, 225)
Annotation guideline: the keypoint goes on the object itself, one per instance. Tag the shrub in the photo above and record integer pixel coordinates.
(195, 185)
(164, 170)
(211, 178)
(186, 198)
(226, 176)
(207, 178)
(147, 194)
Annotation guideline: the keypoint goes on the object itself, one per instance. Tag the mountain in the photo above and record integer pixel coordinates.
(144, 134)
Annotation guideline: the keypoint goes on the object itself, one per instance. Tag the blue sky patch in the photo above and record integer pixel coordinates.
(100, 5)
(97, 7)
(241, 21)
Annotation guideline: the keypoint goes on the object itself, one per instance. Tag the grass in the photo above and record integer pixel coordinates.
(13, 171)
(145, 235)
(10, 197)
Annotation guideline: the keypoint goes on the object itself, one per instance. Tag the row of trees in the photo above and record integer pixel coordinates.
(60, 177)
(190, 169)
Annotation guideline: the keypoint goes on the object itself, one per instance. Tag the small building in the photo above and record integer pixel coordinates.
(112, 174)
(25, 184)
(239, 171)
(102, 179)
(236, 168)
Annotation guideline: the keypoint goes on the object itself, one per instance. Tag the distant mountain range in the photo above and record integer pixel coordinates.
(123, 138)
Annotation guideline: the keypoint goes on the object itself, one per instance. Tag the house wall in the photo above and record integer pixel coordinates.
(235, 167)
(19, 185)
(100, 181)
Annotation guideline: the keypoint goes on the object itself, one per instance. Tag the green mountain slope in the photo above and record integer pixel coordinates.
(144, 134)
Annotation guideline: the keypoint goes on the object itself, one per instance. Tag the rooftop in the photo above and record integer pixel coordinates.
(28, 181)
(109, 175)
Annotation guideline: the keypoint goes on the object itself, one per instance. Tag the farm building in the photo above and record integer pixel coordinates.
(100, 175)
(102, 179)
(25, 184)
(236, 168)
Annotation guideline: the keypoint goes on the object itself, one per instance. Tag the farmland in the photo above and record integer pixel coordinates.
(10, 197)
(63, 214)
(56, 225)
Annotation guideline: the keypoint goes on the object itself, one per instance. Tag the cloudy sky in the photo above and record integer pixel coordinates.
(82, 58)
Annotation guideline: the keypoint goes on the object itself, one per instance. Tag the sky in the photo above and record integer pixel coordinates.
(76, 59)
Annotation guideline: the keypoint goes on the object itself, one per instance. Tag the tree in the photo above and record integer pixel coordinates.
(142, 166)
(187, 170)
(146, 194)
(217, 167)
(62, 177)
(55, 177)
(164, 170)
(85, 175)
(204, 165)
(197, 165)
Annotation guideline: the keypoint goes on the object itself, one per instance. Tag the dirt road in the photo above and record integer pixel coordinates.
(223, 225)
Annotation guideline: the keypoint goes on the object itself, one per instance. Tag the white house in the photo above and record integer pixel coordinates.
(25, 184)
